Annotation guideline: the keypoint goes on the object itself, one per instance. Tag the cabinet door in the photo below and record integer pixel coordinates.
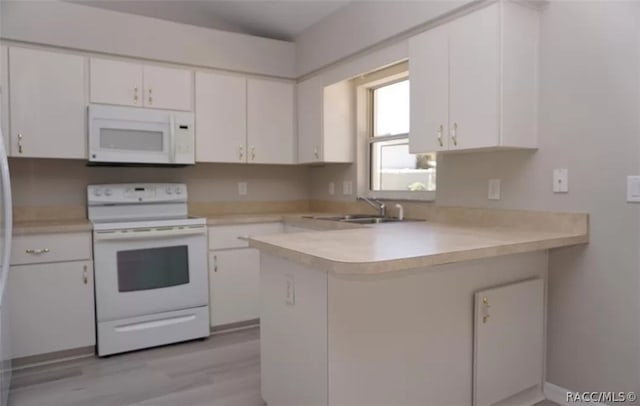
(168, 88)
(234, 286)
(270, 122)
(52, 307)
(474, 80)
(48, 104)
(221, 118)
(310, 111)
(509, 341)
(115, 82)
(429, 83)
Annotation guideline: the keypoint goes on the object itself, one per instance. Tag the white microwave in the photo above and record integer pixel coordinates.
(133, 135)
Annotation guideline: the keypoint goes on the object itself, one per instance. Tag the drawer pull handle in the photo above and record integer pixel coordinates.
(215, 263)
(85, 276)
(37, 251)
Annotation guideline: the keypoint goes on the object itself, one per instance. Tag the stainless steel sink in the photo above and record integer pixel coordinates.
(372, 220)
(347, 217)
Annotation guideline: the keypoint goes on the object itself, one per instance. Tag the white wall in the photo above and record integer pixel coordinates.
(57, 182)
(590, 124)
(61, 24)
(362, 24)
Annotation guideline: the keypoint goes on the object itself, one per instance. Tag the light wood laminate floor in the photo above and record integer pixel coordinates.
(223, 370)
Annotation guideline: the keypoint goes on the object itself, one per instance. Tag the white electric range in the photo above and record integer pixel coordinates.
(150, 260)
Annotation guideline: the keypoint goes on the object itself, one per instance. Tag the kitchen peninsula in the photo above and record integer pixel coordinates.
(448, 311)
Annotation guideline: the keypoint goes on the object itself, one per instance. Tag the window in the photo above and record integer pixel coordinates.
(392, 168)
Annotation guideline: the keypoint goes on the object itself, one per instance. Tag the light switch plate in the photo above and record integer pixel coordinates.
(633, 189)
(332, 188)
(561, 180)
(494, 189)
(242, 188)
(347, 188)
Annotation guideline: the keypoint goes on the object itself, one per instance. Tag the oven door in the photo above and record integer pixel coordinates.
(146, 271)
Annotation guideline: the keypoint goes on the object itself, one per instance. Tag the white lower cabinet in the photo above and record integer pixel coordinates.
(234, 272)
(508, 341)
(234, 286)
(52, 307)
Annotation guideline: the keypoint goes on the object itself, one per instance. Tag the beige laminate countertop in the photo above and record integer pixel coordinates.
(80, 225)
(51, 226)
(395, 247)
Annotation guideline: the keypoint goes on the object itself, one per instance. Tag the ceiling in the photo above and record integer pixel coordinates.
(278, 19)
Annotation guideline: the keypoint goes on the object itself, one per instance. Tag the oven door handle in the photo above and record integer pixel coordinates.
(144, 234)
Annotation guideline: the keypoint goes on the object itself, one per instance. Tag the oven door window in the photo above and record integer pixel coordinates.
(152, 268)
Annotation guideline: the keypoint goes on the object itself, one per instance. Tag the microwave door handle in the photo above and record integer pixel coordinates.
(172, 138)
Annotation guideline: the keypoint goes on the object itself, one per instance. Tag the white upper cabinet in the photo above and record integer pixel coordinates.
(135, 84)
(168, 88)
(429, 82)
(474, 67)
(47, 103)
(270, 122)
(221, 118)
(115, 82)
(325, 121)
(309, 114)
(474, 81)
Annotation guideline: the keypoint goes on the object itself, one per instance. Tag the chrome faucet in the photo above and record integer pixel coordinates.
(376, 204)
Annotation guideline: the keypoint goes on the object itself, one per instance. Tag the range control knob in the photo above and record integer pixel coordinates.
(169, 191)
(97, 192)
(178, 190)
(107, 192)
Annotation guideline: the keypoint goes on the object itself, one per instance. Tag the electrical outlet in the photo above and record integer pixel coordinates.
(332, 188)
(347, 188)
(242, 188)
(494, 189)
(561, 180)
(290, 290)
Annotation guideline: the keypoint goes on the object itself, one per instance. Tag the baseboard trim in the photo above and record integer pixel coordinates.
(241, 325)
(558, 395)
(52, 357)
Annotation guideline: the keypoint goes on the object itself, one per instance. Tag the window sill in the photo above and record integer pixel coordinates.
(401, 195)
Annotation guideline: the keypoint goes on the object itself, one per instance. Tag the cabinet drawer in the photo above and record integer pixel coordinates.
(40, 248)
(222, 237)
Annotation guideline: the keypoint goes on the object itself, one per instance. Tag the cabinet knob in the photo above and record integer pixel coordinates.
(440, 129)
(19, 143)
(454, 134)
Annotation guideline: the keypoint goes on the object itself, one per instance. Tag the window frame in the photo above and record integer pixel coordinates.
(365, 87)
